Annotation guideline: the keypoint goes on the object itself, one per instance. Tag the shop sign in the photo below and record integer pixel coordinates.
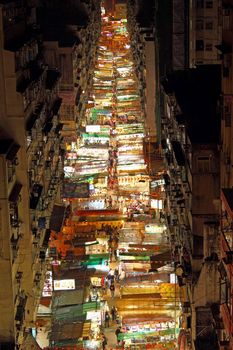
(156, 204)
(68, 284)
(48, 289)
(95, 316)
(92, 128)
(96, 281)
(157, 183)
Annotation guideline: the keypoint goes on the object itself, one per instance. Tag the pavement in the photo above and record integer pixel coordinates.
(110, 331)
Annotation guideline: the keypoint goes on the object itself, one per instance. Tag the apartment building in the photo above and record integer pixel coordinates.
(31, 159)
(189, 33)
(70, 43)
(226, 146)
(190, 137)
(143, 42)
(142, 37)
(205, 32)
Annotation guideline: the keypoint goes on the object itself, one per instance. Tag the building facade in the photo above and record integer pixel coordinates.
(205, 32)
(31, 159)
(192, 200)
(226, 264)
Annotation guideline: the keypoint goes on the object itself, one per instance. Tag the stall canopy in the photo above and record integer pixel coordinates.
(67, 297)
(70, 331)
(75, 312)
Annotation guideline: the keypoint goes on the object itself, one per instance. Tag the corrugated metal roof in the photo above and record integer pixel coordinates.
(74, 312)
(77, 274)
(68, 297)
(68, 331)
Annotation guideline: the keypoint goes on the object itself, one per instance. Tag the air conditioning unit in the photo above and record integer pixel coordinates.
(19, 276)
(37, 283)
(50, 193)
(34, 161)
(37, 277)
(15, 161)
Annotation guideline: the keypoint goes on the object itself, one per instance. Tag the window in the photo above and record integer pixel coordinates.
(228, 120)
(225, 72)
(199, 24)
(10, 171)
(208, 47)
(226, 23)
(209, 4)
(209, 25)
(14, 215)
(203, 164)
(227, 115)
(199, 45)
(199, 4)
(225, 293)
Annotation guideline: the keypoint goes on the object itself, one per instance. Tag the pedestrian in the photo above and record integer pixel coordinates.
(116, 274)
(118, 320)
(115, 254)
(112, 290)
(105, 284)
(107, 319)
(104, 342)
(118, 331)
(113, 313)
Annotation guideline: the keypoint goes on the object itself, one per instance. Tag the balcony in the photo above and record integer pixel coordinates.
(58, 128)
(169, 158)
(78, 96)
(34, 75)
(34, 116)
(10, 150)
(15, 193)
(52, 78)
(35, 195)
(14, 245)
(179, 154)
(19, 316)
(42, 255)
(25, 49)
(56, 106)
(45, 243)
(47, 127)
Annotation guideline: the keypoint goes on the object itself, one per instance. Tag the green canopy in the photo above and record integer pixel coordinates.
(137, 335)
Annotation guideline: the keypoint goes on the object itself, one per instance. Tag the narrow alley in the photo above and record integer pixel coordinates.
(113, 251)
